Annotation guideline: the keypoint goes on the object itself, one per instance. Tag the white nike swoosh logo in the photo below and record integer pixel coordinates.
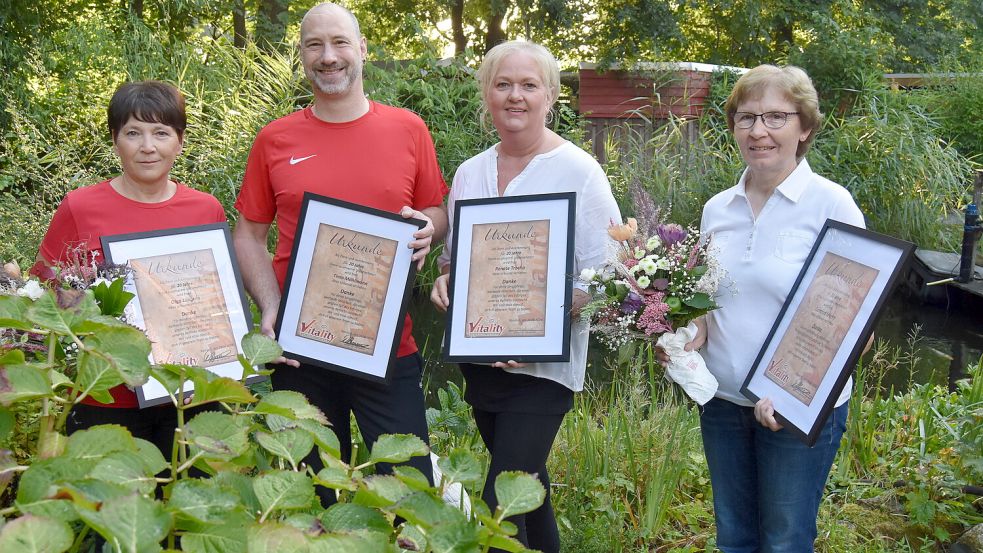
(296, 160)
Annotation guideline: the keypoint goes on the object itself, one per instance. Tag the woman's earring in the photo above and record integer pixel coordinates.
(549, 117)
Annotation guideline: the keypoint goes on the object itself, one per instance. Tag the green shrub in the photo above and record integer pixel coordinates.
(906, 180)
(955, 100)
(260, 495)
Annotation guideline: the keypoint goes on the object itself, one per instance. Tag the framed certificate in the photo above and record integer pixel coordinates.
(825, 324)
(188, 299)
(350, 275)
(510, 279)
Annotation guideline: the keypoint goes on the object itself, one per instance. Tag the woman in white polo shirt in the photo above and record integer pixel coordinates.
(767, 485)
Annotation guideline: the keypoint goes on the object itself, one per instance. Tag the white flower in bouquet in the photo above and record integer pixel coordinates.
(648, 265)
(643, 281)
(588, 274)
(710, 281)
(639, 253)
(652, 243)
(31, 289)
(663, 264)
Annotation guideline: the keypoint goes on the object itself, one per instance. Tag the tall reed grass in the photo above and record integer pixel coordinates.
(625, 457)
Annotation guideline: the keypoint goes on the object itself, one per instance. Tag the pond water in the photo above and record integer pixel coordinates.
(936, 343)
(943, 339)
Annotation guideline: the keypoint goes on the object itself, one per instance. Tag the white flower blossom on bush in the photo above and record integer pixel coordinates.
(31, 289)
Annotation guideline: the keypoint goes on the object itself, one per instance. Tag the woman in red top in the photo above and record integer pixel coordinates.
(147, 123)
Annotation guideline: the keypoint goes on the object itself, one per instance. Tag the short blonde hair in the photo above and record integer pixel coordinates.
(548, 68)
(793, 83)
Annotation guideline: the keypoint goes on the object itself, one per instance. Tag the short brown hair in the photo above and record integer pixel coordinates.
(793, 83)
(150, 102)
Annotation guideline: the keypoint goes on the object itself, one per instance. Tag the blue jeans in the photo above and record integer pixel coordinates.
(766, 485)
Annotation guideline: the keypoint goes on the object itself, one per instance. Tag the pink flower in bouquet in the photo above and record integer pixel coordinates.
(653, 317)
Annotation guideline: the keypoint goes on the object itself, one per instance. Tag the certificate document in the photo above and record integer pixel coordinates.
(346, 289)
(819, 325)
(507, 281)
(184, 309)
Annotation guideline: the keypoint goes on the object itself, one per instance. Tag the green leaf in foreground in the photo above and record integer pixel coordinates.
(292, 444)
(31, 534)
(99, 441)
(127, 349)
(278, 538)
(125, 468)
(22, 383)
(324, 437)
(361, 542)
(700, 300)
(210, 538)
(292, 405)
(218, 435)
(132, 524)
(460, 466)
(454, 537)
(397, 448)
(518, 493)
(221, 389)
(259, 349)
(283, 490)
(47, 313)
(13, 310)
(381, 491)
(201, 501)
(347, 517)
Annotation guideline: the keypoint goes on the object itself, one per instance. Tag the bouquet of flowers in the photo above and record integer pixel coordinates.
(650, 289)
(69, 283)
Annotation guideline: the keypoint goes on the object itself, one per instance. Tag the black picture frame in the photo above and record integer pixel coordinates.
(831, 313)
(320, 346)
(213, 242)
(551, 343)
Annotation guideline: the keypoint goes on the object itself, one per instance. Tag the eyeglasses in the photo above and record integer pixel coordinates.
(771, 119)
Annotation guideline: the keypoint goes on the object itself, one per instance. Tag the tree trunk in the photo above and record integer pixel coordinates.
(496, 35)
(271, 23)
(135, 7)
(239, 24)
(457, 27)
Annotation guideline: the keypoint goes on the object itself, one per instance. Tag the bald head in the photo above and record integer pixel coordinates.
(330, 8)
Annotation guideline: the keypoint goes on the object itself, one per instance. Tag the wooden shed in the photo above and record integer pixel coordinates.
(645, 96)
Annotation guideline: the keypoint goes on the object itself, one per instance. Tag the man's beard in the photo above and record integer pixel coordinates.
(351, 73)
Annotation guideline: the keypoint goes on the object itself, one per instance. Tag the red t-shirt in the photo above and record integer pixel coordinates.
(89, 213)
(384, 159)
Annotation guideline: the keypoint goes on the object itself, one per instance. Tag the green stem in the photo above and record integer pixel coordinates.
(190, 462)
(47, 421)
(80, 538)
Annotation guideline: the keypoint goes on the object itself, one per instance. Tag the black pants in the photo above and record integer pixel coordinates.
(522, 441)
(380, 408)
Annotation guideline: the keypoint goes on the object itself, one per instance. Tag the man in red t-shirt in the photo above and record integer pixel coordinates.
(346, 147)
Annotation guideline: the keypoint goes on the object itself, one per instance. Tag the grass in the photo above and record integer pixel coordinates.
(630, 475)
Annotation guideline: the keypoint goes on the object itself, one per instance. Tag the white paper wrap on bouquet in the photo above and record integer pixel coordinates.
(687, 368)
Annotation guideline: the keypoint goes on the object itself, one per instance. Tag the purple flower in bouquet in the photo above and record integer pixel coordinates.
(671, 234)
(632, 303)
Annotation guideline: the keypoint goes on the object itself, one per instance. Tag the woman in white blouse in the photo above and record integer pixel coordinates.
(519, 407)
